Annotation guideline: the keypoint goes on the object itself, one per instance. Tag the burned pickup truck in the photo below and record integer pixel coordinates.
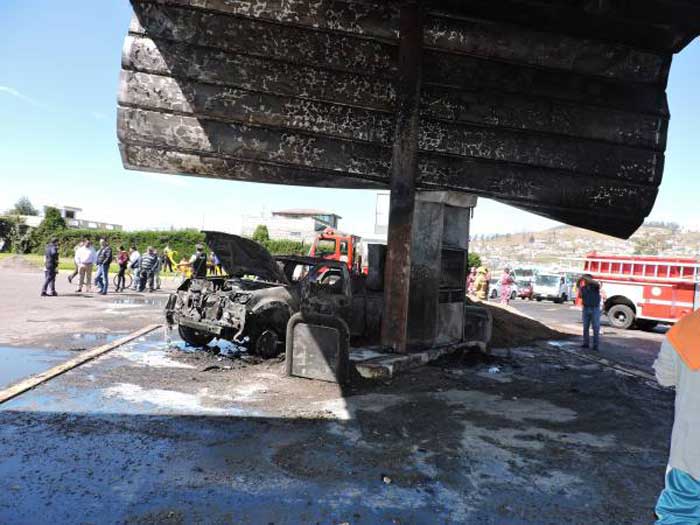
(253, 302)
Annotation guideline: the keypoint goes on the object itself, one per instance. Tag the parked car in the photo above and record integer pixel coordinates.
(552, 287)
(526, 290)
(495, 289)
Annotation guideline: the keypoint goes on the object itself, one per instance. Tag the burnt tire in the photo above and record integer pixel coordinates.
(266, 344)
(266, 334)
(621, 316)
(194, 337)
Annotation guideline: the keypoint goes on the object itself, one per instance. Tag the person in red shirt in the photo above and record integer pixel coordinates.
(123, 262)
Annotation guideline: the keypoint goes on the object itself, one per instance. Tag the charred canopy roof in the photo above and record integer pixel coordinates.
(556, 107)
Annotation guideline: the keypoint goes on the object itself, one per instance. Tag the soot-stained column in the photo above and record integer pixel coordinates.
(403, 179)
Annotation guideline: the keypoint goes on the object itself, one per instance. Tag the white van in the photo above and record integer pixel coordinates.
(552, 287)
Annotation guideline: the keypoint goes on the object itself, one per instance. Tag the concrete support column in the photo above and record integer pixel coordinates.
(403, 178)
(438, 268)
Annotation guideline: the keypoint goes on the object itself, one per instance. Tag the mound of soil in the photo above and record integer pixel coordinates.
(511, 328)
(18, 263)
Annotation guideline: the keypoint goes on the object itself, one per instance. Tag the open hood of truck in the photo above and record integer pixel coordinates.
(240, 255)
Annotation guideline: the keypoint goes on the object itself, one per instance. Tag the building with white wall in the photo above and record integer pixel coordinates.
(296, 224)
(70, 215)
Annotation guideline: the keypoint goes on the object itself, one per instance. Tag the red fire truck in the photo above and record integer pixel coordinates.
(645, 290)
(336, 246)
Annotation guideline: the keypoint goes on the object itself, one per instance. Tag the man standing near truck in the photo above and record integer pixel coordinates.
(678, 365)
(198, 263)
(589, 292)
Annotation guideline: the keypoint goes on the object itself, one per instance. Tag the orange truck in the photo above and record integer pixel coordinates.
(337, 246)
(645, 290)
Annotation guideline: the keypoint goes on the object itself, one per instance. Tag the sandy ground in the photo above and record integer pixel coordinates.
(154, 433)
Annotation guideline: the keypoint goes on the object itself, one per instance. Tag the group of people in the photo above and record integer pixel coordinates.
(479, 284)
(145, 267)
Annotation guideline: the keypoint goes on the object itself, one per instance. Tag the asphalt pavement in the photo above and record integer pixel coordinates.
(162, 434)
(634, 348)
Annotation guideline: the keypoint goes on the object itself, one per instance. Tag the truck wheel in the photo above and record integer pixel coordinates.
(265, 344)
(621, 316)
(264, 331)
(194, 337)
(538, 299)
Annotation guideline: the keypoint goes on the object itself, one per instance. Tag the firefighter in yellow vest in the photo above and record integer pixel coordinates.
(678, 365)
(481, 284)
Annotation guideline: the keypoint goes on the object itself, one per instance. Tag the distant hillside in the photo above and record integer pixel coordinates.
(548, 248)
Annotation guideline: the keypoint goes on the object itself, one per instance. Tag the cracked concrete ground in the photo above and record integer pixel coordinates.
(151, 434)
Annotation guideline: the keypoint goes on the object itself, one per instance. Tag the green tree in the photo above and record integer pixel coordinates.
(23, 207)
(52, 225)
(15, 234)
(261, 234)
(474, 260)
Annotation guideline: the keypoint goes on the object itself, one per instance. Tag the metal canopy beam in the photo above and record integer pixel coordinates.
(554, 107)
(404, 173)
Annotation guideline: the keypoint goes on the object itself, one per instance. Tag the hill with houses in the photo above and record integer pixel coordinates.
(558, 248)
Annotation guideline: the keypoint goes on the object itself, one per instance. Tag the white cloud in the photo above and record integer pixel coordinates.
(14, 93)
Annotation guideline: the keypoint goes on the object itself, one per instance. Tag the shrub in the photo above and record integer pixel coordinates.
(52, 225)
(15, 234)
(181, 241)
(285, 247)
(261, 234)
(474, 260)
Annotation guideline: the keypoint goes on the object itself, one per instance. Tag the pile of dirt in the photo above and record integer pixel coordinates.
(18, 263)
(511, 328)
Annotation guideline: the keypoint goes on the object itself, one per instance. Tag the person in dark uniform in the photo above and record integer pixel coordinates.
(50, 268)
(198, 262)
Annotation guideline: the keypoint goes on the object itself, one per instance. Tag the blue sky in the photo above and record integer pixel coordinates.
(58, 82)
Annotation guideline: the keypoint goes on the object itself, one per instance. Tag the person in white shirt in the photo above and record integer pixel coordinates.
(678, 365)
(85, 258)
(75, 260)
(135, 265)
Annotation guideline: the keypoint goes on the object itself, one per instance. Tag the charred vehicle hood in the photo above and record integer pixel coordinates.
(240, 256)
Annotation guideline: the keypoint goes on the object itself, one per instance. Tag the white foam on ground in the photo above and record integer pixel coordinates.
(123, 306)
(179, 402)
(152, 358)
